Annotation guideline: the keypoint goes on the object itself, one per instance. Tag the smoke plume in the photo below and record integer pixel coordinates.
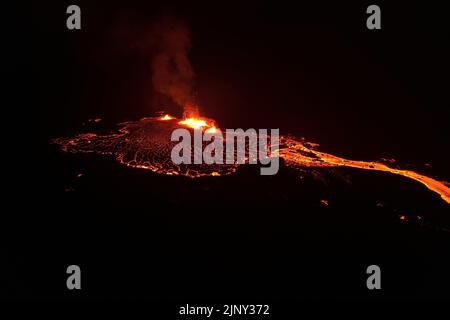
(172, 71)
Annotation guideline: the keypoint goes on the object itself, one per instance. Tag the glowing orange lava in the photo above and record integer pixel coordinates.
(298, 153)
(167, 117)
(195, 123)
(144, 144)
(212, 130)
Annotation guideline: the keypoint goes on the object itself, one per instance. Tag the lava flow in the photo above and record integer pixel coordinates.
(302, 154)
(146, 144)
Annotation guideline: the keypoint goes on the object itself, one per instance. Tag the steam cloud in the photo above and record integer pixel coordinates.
(172, 71)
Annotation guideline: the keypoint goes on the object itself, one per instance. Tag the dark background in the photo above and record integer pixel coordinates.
(313, 70)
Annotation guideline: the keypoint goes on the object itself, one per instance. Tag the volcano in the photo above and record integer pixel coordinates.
(146, 144)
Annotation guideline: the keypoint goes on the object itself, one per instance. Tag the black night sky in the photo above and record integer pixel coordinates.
(312, 69)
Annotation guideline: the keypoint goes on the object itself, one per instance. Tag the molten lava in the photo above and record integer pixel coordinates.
(212, 130)
(302, 154)
(146, 144)
(196, 123)
(167, 117)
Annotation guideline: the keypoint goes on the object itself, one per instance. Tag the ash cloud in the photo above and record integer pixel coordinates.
(173, 74)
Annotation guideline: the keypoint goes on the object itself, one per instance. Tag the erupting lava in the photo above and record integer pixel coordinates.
(200, 123)
(146, 144)
(167, 117)
(195, 123)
